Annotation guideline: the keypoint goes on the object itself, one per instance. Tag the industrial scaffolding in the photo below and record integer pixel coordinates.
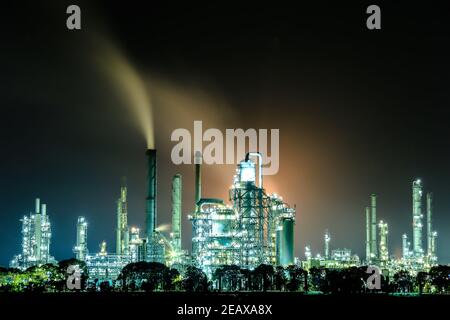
(255, 229)
(36, 239)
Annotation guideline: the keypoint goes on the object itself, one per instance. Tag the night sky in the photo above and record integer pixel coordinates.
(359, 111)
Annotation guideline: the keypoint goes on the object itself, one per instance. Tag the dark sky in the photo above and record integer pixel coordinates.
(359, 111)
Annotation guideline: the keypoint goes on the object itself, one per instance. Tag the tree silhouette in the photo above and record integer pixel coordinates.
(263, 277)
(195, 280)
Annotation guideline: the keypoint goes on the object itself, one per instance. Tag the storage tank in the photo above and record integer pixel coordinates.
(285, 242)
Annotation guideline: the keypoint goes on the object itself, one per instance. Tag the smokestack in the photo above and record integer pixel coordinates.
(368, 234)
(198, 178)
(150, 216)
(44, 209)
(176, 211)
(373, 231)
(429, 226)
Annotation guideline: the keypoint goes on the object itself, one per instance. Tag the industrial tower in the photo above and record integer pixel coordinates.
(81, 249)
(36, 236)
(371, 230)
(122, 231)
(417, 218)
(327, 239)
(384, 251)
(176, 214)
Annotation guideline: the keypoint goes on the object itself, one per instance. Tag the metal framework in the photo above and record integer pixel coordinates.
(255, 229)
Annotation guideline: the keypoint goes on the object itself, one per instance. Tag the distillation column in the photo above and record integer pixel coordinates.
(150, 222)
(368, 255)
(373, 231)
(327, 245)
(405, 246)
(384, 251)
(81, 249)
(176, 212)
(431, 235)
(122, 232)
(429, 226)
(198, 178)
(417, 218)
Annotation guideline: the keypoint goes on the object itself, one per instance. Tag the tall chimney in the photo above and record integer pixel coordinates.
(368, 239)
(198, 177)
(373, 231)
(429, 226)
(150, 217)
(176, 211)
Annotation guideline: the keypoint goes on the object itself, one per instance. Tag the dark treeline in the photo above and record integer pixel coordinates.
(152, 276)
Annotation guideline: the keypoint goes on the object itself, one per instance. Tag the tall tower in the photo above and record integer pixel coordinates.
(150, 217)
(431, 235)
(373, 231)
(417, 218)
(327, 244)
(405, 246)
(384, 251)
(368, 239)
(81, 249)
(176, 212)
(122, 232)
(198, 178)
(429, 226)
(36, 238)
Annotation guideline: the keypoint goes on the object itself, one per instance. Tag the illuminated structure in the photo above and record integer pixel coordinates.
(135, 251)
(368, 239)
(384, 251)
(406, 245)
(256, 228)
(373, 230)
(327, 245)
(417, 259)
(36, 238)
(154, 239)
(176, 212)
(338, 259)
(417, 219)
(81, 249)
(104, 266)
(122, 232)
(431, 235)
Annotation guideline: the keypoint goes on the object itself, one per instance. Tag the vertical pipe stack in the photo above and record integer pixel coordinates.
(81, 245)
(405, 246)
(384, 250)
(122, 232)
(38, 229)
(368, 239)
(198, 178)
(150, 222)
(327, 245)
(373, 231)
(176, 211)
(429, 226)
(417, 218)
